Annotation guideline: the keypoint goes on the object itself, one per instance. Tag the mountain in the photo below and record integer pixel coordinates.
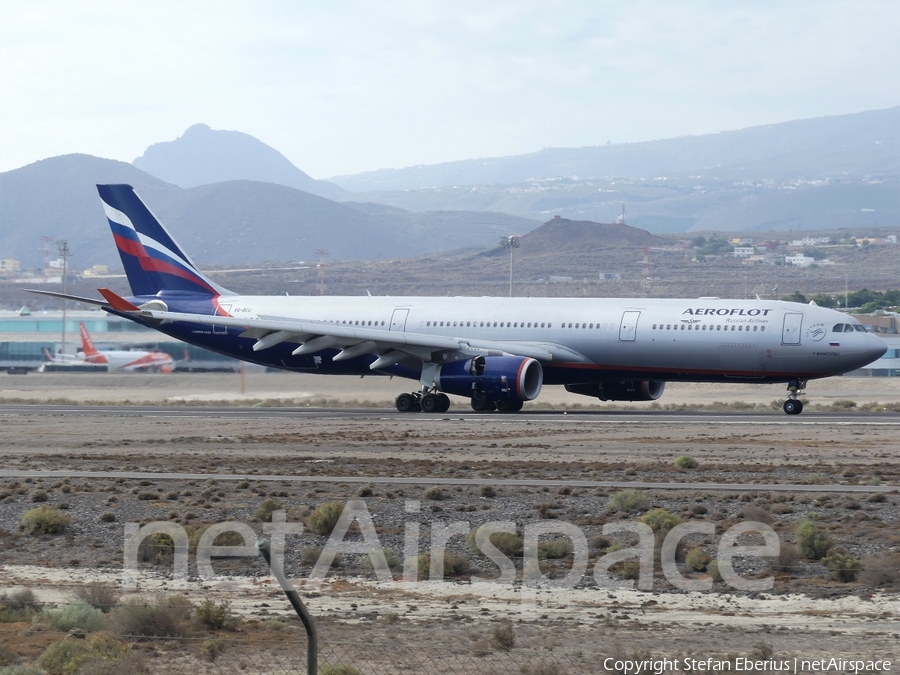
(233, 222)
(866, 143)
(202, 156)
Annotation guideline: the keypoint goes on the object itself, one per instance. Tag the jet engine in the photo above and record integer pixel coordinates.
(493, 378)
(620, 390)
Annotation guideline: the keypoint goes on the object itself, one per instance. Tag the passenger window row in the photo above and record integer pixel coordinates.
(718, 327)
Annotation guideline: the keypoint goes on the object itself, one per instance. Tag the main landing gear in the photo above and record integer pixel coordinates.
(793, 405)
(427, 402)
(482, 404)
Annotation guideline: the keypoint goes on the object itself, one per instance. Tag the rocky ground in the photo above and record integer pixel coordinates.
(807, 612)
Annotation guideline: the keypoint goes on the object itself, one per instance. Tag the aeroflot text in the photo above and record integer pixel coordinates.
(660, 666)
(707, 311)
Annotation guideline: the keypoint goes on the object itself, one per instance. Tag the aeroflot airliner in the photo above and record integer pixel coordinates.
(498, 352)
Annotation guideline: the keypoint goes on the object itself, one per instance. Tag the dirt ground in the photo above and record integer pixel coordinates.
(807, 613)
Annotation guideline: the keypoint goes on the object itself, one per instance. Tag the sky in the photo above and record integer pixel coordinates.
(348, 86)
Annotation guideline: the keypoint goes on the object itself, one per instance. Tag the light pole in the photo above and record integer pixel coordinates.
(511, 242)
(63, 247)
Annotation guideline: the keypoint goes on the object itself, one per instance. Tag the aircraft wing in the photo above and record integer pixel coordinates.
(391, 347)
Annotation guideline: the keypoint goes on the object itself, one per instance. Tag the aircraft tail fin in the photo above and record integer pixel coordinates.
(153, 261)
(87, 345)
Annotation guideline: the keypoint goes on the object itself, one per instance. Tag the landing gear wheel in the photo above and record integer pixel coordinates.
(443, 403)
(480, 405)
(509, 406)
(793, 407)
(429, 403)
(406, 403)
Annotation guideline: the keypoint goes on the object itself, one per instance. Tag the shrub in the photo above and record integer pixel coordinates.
(155, 616)
(813, 542)
(630, 569)
(686, 462)
(98, 655)
(712, 569)
(392, 559)
(108, 517)
(44, 520)
(7, 656)
(545, 511)
(881, 571)
(453, 565)
(628, 500)
(267, 508)
(503, 637)
(697, 560)
(435, 494)
(660, 519)
(211, 649)
(38, 496)
(77, 614)
(507, 543)
(325, 517)
(21, 670)
(555, 548)
(788, 557)
(338, 669)
(20, 600)
(757, 515)
(488, 491)
(100, 596)
(843, 566)
(365, 492)
(214, 616)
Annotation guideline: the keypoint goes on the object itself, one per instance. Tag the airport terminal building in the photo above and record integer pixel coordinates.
(26, 337)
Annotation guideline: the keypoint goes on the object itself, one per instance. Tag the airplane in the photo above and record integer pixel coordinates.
(497, 352)
(122, 360)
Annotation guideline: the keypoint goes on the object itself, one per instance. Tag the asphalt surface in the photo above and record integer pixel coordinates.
(362, 414)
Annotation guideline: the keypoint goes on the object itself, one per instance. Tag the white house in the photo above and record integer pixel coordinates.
(799, 260)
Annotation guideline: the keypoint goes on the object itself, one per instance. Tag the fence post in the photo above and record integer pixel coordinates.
(312, 638)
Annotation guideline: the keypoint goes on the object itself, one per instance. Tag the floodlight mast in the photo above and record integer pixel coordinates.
(62, 246)
(511, 242)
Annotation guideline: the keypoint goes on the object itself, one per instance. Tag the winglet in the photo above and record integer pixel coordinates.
(117, 302)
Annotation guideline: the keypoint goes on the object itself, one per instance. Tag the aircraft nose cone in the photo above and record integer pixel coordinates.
(875, 348)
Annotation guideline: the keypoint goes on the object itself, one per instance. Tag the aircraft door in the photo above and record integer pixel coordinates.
(222, 330)
(398, 320)
(790, 334)
(628, 328)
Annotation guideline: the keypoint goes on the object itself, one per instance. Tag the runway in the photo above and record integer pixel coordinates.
(380, 414)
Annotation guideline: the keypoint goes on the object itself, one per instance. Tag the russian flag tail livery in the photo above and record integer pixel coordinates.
(87, 345)
(153, 261)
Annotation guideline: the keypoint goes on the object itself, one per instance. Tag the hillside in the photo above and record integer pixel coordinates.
(202, 156)
(864, 143)
(236, 222)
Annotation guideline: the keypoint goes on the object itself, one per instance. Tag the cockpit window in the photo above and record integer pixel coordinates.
(848, 328)
(839, 327)
(860, 328)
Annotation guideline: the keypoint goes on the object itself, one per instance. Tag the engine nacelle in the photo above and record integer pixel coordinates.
(493, 378)
(620, 390)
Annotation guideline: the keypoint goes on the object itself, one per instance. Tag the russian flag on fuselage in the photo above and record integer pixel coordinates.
(153, 260)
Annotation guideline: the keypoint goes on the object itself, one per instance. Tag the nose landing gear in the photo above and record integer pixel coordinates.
(793, 405)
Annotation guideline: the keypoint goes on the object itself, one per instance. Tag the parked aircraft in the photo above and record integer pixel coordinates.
(498, 352)
(126, 361)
